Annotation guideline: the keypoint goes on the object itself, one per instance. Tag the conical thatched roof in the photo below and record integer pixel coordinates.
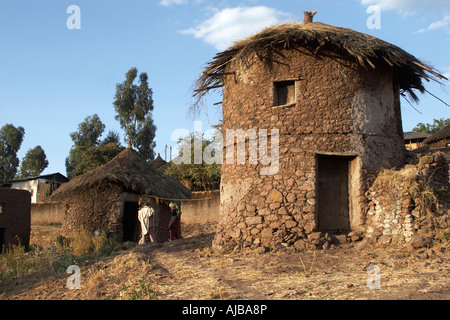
(132, 173)
(159, 164)
(318, 39)
(444, 133)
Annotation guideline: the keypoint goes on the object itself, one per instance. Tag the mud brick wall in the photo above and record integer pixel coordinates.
(47, 212)
(15, 217)
(201, 208)
(340, 109)
(93, 209)
(405, 203)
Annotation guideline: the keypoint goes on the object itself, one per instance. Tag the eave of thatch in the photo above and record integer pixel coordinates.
(318, 39)
(129, 171)
(444, 133)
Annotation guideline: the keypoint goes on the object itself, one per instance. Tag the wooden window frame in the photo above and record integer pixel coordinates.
(284, 93)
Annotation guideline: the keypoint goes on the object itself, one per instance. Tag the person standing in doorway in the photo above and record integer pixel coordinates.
(146, 216)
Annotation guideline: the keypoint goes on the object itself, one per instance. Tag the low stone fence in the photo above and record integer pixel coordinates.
(203, 207)
(47, 213)
(409, 205)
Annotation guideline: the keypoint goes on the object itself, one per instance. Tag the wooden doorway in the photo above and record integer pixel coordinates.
(333, 193)
(130, 223)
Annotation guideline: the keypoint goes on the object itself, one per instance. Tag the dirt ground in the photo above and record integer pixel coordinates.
(188, 269)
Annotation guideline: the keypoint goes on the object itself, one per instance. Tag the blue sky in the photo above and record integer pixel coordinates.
(52, 77)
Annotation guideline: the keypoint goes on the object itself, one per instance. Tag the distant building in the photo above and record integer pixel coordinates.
(414, 140)
(439, 140)
(159, 164)
(41, 187)
(15, 217)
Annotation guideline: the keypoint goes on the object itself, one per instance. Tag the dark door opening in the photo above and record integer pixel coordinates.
(2, 237)
(333, 193)
(131, 226)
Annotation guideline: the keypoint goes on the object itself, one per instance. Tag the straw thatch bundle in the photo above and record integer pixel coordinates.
(132, 173)
(318, 39)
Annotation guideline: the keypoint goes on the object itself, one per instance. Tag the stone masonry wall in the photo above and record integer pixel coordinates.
(340, 109)
(408, 202)
(94, 209)
(103, 209)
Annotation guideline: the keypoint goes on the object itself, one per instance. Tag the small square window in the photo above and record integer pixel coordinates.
(2, 207)
(283, 93)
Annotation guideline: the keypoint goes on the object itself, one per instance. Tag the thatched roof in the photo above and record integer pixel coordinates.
(444, 133)
(159, 164)
(132, 173)
(412, 135)
(318, 39)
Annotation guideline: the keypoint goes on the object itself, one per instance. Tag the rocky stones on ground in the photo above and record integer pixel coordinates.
(419, 241)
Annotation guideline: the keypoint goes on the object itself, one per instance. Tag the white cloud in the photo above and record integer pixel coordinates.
(231, 24)
(428, 10)
(409, 6)
(167, 3)
(443, 24)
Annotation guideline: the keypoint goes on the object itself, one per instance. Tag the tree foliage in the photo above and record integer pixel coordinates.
(84, 159)
(34, 162)
(134, 105)
(203, 176)
(89, 151)
(89, 132)
(10, 141)
(434, 127)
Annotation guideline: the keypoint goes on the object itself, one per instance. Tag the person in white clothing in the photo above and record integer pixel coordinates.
(146, 216)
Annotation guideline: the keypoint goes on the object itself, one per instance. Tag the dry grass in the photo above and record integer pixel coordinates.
(85, 242)
(189, 269)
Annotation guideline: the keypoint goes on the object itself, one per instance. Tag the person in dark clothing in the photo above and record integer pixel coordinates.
(174, 224)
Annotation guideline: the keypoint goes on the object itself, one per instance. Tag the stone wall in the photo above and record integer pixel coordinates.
(47, 212)
(340, 109)
(409, 202)
(202, 207)
(93, 209)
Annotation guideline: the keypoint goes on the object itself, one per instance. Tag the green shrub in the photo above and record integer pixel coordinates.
(143, 290)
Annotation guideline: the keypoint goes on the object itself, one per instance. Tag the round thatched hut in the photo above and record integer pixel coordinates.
(329, 99)
(107, 197)
(440, 139)
(159, 164)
